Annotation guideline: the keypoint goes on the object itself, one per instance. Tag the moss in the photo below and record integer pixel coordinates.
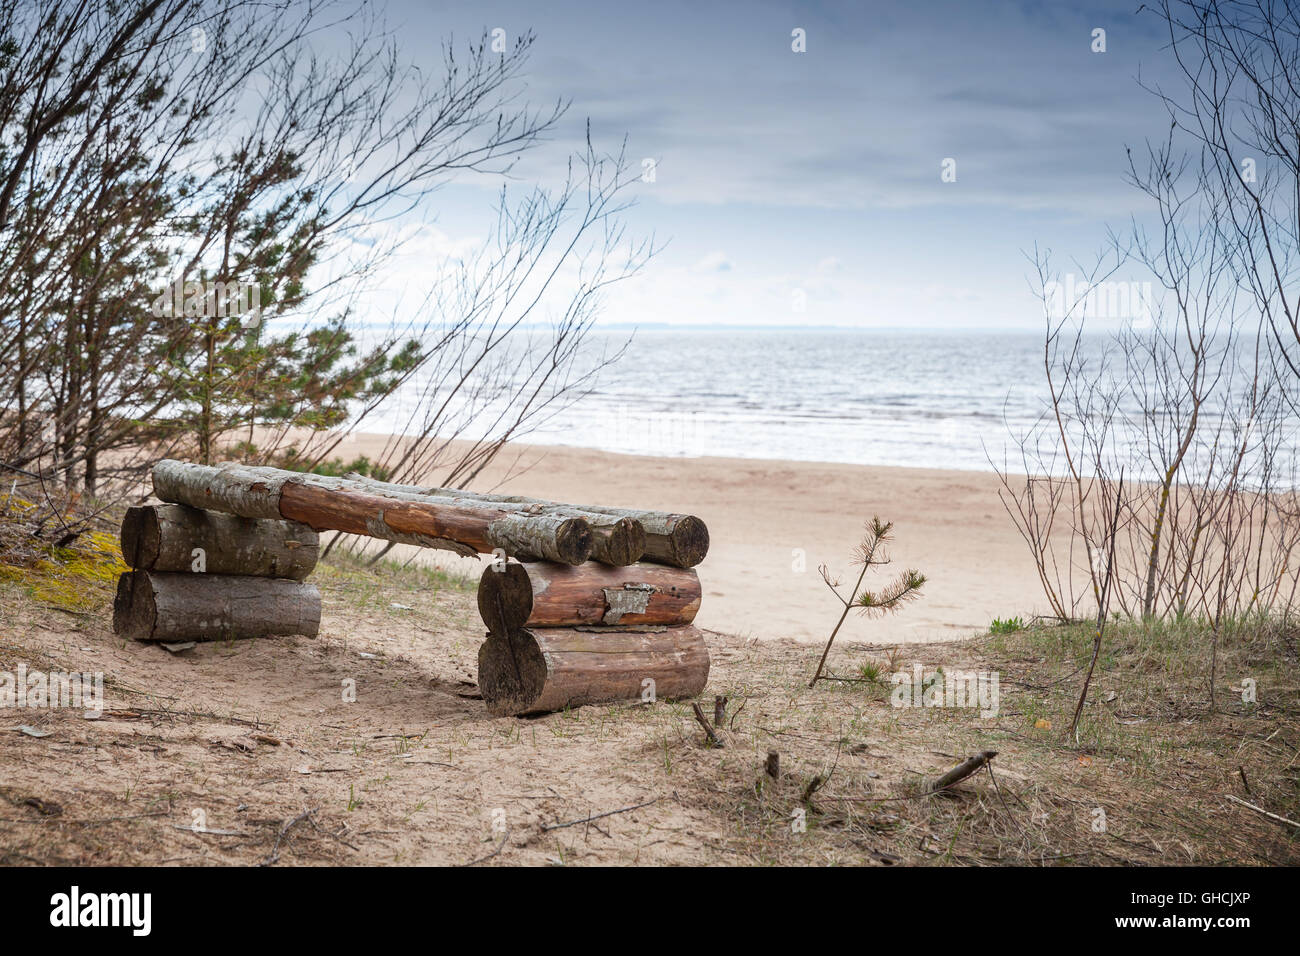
(77, 578)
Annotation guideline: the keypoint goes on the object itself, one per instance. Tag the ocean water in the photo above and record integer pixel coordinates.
(872, 398)
(926, 399)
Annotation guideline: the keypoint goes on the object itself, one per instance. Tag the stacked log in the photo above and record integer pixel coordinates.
(540, 594)
(539, 670)
(165, 538)
(463, 525)
(562, 637)
(227, 554)
(169, 607)
(464, 522)
(681, 541)
(202, 576)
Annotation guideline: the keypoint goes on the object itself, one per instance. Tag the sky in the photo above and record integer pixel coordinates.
(805, 188)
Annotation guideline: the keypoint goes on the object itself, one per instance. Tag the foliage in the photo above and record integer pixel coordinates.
(869, 554)
(78, 577)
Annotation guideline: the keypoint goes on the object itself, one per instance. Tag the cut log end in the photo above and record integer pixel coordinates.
(134, 611)
(689, 541)
(618, 544)
(511, 673)
(141, 537)
(573, 541)
(505, 597)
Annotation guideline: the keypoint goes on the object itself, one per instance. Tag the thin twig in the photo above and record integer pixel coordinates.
(1260, 810)
(54, 817)
(500, 846)
(205, 830)
(289, 825)
(732, 722)
(608, 813)
(704, 722)
(1103, 601)
(998, 790)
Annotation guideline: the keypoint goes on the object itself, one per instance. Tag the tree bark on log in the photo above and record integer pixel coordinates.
(543, 594)
(681, 541)
(338, 504)
(165, 537)
(540, 670)
(165, 606)
(616, 540)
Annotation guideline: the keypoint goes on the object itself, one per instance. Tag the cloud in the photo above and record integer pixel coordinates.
(863, 118)
(820, 171)
(716, 261)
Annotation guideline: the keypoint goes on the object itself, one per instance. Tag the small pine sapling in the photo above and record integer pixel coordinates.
(870, 554)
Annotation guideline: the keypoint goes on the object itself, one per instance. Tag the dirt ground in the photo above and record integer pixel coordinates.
(247, 753)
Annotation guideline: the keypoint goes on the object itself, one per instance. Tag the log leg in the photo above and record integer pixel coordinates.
(160, 606)
(171, 537)
(546, 594)
(539, 670)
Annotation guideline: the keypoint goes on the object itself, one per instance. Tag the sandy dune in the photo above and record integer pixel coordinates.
(763, 515)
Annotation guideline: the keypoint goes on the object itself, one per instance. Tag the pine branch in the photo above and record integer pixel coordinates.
(907, 587)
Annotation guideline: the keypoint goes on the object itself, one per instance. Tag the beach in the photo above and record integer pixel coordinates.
(772, 523)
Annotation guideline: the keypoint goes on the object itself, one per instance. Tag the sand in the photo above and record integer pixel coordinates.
(370, 745)
(772, 523)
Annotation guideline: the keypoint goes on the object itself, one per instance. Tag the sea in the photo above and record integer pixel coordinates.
(927, 399)
(924, 399)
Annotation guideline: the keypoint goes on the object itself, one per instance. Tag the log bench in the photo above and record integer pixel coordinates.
(582, 603)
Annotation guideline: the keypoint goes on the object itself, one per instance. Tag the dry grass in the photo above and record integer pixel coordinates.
(416, 772)
(1144, 783)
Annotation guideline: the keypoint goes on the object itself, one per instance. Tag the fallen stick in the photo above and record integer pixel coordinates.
(83, 823)
(500, 846)
(598, 816)
(1260, 810)
(289, 825)
(207, 831)
(962, 770)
